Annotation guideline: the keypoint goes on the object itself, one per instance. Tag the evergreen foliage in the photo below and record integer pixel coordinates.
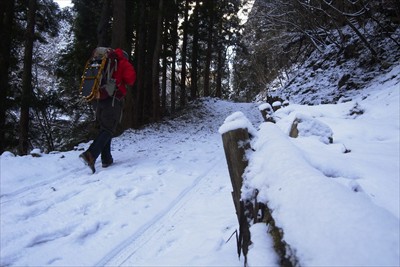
(152, 32)
(13, 66)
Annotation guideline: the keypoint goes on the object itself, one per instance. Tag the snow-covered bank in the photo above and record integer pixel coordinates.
(337, 204)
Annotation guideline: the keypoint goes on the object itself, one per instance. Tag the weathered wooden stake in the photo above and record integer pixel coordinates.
(236, 142)
(267, 112)
(248, 211)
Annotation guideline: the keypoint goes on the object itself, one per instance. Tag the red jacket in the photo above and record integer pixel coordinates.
(125, 73)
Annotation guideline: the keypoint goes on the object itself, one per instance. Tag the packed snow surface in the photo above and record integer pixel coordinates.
(167, 199)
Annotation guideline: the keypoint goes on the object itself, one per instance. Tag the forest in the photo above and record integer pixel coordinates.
(182, 50)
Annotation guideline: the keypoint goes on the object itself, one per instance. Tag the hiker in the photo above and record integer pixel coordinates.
(108, 108)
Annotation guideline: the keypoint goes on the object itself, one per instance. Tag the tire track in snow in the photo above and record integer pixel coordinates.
(124, 251)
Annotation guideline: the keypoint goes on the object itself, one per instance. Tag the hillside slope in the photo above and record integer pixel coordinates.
(335, 75)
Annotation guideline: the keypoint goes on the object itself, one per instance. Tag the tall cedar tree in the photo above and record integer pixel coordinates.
(183, 54)
(27, 80)
(155, 62)
(6, 20)
(195, 51)
(174, 40)
(210, 6)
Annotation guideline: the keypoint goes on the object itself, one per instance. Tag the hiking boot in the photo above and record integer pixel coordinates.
(107, 163)
(88, 160)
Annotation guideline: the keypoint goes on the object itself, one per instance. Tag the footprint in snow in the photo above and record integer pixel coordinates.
(355, 187)
(143, 193)
(167, 244)
(90, 231)
(31, 202)
(122, 192)
(49, 237)
(161, 171)
(50, 262)
(34, 212)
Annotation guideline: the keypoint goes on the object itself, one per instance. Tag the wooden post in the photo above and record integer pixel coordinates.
(236, 142)
(248, 211)
(261, 213)
(267, 112)
(276, 105)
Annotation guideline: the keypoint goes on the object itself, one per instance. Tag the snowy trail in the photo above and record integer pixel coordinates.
(120, 215)
(143, 247)
(121, 255)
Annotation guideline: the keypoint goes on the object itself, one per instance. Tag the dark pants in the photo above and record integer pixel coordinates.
(108, 114)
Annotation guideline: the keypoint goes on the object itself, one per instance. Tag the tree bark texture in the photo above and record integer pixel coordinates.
(195, 52)
(236, 142)
(156, 64)
(174, 48)
(6, 22)
(27, 80)
(184, 52)
(119, 25)
(209, 52)
(103, 38)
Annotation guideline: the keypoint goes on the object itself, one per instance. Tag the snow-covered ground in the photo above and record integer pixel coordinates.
(167, 200)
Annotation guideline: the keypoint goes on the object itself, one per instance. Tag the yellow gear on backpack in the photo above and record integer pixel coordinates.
(93, 73)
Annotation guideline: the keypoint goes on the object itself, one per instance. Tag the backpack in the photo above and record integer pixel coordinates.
(97, 74)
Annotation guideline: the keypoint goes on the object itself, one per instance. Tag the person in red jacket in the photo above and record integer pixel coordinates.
(109, 111)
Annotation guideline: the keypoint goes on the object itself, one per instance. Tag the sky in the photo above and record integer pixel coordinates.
(63, 3)
(244, 15)
(167, 199)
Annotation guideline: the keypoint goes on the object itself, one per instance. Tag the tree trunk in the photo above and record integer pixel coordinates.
(141, 52)
(209, 53)
(119, 25)
(184, 47)
(195, 47)
(164, 70)
(27, 80)
(173, 70)
(220, 64)
(156, 64)
(164, 87)
(119, 40)
(220, 71)
(103, 38)
(151, 40)
(6, 20)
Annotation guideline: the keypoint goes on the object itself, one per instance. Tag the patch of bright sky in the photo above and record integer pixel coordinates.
(244, 12)
(64, 3)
